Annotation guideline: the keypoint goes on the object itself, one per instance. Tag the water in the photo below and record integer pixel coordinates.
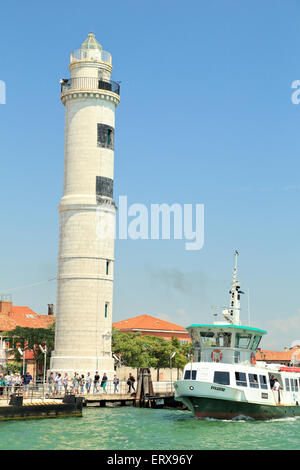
(128, 428)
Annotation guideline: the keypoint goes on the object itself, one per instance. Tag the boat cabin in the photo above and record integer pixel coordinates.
(225, 343)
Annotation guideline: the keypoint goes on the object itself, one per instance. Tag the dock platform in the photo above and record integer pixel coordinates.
(17, 408)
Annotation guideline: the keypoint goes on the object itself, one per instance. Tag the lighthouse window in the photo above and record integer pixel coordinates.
(106, 310)
(221, 378)
(105, 136)
(107, 268)
(242, 340)
(253, 381)
(109, 137)
(241, 379)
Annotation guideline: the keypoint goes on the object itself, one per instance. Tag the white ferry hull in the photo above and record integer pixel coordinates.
(231, 404)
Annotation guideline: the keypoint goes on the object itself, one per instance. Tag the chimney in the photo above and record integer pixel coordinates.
(5, 306)
(50, 309)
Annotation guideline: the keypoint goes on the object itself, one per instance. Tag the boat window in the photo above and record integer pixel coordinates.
(292, 385)
(237, 355)
(241, 379)
(187, 375)
(287, 385)
(296, 385)
(253, 381)
(221, 378)
(223, 339)
(263, 381)
(255, 342)
(242, 340)
(208, 339)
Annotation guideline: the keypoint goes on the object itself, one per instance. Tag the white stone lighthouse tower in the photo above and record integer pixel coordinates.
(87, 215)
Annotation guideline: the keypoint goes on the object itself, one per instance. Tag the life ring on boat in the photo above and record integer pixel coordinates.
(216, 355)
(253, 358)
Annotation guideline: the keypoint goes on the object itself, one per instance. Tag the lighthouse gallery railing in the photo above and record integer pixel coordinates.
(89, 83)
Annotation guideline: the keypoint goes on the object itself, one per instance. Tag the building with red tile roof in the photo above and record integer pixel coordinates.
(12, 316)
(287, 357)
(148, 325)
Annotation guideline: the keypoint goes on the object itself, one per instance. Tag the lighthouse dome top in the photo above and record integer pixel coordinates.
(91, 51)
(91, 43)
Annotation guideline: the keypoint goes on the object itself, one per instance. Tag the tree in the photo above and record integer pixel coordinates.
(30, 339)
(136, 350)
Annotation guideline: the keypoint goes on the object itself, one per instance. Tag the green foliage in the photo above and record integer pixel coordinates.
(136, 350)
(13, 367)
(31, 338)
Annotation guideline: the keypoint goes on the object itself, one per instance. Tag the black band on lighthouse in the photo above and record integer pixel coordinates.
(104, 186)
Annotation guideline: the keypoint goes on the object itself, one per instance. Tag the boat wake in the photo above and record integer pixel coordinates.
(239, 418)
(243, 419)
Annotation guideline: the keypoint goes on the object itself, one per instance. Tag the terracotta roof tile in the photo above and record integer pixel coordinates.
(147, 322)
(24, 317)
(277, 355)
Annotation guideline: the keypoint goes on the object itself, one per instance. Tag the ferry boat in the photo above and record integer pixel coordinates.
(224, 381)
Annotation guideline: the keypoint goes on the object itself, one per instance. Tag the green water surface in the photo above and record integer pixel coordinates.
(127, 428)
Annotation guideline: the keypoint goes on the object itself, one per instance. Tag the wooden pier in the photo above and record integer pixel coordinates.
(144, 397)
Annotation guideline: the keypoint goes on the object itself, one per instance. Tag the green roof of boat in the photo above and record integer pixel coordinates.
(229, 326)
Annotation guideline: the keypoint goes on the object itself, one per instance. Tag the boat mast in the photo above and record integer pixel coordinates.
(232, 314)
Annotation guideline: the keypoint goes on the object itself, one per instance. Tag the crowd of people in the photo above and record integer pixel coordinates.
(13, 382)
(64, 383)
(79, 384)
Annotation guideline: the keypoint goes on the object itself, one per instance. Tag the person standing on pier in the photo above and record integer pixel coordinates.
(58, 384)
(51, 384)
(96, 382)
(104, 382)
(116, 383)
(81, 383)
(3, 384)
(88, 383)
(26, 382)
(130, 383)
(65, 382)
(76, 381)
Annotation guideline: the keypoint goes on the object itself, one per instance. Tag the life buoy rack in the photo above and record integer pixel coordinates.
(216, 355)
(253, 358)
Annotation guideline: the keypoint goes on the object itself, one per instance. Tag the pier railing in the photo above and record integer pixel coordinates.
(40, 391)
(31, 392)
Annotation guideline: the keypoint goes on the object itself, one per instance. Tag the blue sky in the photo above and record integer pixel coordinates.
(205, 117)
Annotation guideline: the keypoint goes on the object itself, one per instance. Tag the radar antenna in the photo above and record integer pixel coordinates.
(232, 314)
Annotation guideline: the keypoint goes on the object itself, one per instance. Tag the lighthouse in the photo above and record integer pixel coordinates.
(87, 215)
